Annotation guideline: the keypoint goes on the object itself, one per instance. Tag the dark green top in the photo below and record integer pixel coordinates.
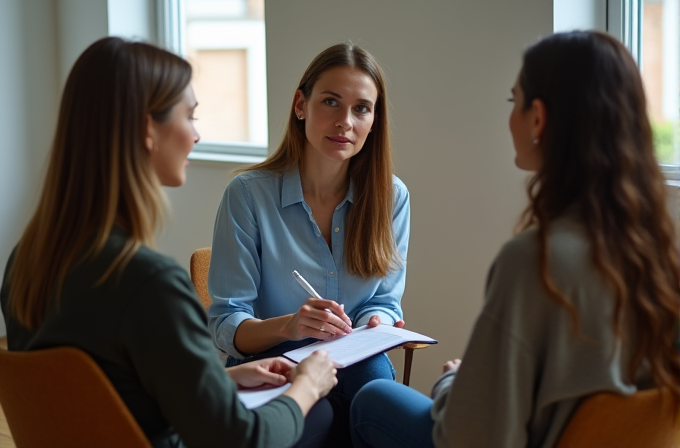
(147, 331)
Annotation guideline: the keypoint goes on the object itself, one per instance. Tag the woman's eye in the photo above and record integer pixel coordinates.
(362, 109)
(330, 102)
(511, 100)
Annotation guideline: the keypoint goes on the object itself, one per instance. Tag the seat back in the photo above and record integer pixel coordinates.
(198, 268)
(646, 419)
(59, 397)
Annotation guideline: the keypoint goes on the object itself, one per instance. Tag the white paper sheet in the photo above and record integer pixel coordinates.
(254, 398)
(362, 343)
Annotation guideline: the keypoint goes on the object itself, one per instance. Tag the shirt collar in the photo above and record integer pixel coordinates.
(291, 191)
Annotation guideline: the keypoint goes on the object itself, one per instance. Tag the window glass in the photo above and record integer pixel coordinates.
(224, 40)
(660, 65)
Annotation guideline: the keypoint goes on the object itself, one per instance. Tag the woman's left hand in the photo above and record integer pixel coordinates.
(374, 321)
(274, 371)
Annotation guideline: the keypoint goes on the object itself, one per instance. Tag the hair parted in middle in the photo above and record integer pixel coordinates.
(370, 249)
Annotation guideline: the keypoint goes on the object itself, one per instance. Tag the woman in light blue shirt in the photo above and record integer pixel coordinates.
(325, 204)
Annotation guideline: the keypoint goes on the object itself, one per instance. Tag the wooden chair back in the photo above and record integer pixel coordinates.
(648, 418)
(199, 266)
(60, 398)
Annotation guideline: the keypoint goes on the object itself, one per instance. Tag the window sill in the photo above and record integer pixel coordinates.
(215, 159)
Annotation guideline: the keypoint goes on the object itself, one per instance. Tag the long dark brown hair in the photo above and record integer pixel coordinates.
(99, 173)
(370, 249)
(598, 156)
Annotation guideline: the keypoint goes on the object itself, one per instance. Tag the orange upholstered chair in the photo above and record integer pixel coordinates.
(647, 419)
(60, 398)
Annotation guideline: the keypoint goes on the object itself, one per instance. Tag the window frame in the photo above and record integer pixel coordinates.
(171, 35)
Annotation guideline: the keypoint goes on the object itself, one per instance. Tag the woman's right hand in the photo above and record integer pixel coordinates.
(318, 370)
(320, 319)
(312, 379)
(452, 365)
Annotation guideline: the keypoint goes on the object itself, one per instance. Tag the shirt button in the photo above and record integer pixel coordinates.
(337, 229)
(331, 273)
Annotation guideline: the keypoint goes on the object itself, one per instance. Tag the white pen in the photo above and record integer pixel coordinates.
(307, 287)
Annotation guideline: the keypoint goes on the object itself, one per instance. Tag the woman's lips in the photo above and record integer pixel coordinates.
(339, 139)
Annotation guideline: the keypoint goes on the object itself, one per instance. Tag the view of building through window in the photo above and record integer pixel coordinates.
(225, 44)
(661, 74)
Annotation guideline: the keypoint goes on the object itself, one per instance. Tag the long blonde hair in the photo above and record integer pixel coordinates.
(599, 157)
(99, 174)
(370, 248)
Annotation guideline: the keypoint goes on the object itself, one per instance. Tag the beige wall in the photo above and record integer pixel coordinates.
(28, 112)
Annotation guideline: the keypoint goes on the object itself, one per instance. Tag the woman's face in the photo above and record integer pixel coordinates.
(173, 140)
(338, 114)
(524, 132)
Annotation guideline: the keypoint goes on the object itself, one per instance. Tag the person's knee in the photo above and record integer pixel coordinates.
(369, 396)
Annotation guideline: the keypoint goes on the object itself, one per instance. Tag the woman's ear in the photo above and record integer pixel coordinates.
(150, 133)
(300, 105)
(540, 117)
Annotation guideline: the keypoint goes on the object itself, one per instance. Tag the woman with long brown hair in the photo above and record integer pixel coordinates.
(325, 204)
(585, 298)
(84, 273)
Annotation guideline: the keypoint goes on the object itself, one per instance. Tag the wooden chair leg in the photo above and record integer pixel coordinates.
(408, 359)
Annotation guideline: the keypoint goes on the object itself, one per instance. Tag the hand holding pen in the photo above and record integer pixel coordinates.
(318, 318)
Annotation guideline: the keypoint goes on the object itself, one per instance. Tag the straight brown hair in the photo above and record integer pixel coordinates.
(99, 174)
(370, 248)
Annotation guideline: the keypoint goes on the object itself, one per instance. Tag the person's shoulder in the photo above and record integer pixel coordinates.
(256, 176)
(145, 262)
(568, 251)
(398, 184)
(566, 239)
(400, 191)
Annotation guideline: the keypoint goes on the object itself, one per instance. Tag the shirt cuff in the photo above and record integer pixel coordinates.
(226, 332)
(443, 383)
(385, 318)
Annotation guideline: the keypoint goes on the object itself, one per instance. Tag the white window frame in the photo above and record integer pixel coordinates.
(171, 35)
(624, 21)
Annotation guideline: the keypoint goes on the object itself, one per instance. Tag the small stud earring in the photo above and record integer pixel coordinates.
(300, 117)
(535, 141)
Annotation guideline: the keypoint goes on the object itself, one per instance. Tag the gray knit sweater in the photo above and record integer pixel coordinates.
(525, 370)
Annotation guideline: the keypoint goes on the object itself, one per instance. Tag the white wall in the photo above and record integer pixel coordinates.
(27, 116)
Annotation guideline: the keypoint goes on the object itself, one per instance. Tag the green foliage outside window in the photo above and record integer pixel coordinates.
(665, 134)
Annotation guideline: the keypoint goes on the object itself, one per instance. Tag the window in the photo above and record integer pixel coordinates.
(660, 65)
(224, 40)
(651, 30)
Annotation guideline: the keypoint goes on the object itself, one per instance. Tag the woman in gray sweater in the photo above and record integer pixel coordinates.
(585, 298)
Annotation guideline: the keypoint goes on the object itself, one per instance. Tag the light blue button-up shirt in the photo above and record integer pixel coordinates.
(264, 230)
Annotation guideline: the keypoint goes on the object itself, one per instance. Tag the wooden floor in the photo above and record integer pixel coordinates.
(5, 436)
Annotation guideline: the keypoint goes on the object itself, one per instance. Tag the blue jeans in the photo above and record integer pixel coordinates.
(350, 380)
(388, 414)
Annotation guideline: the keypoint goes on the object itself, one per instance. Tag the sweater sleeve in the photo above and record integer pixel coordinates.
(170, 348)
(487, 405)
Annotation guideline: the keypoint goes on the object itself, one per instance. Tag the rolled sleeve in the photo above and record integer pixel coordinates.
(234, 275)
